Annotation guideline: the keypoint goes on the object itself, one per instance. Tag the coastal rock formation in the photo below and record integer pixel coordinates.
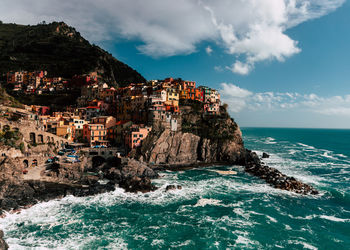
(131, 175)
(79, 179)
(203, 140)
(274, 177)
(172, 187)
(3, 245)
(211, 140)
(265, 155)
(173, 148)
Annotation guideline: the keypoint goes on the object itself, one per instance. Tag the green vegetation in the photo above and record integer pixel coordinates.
(60, 50)
(21, 147)
(10, 137)
(56, 101)
(9, 100)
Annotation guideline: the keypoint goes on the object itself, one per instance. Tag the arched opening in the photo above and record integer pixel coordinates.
(97, 161)
(48, 139)
(40, 139)
(61, 145)
(32, 138)
(16, 129)
(52, 140)
(25, 164)
(57, 144)
(35, 163)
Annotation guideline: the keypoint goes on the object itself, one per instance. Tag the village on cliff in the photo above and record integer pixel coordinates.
(105, 116)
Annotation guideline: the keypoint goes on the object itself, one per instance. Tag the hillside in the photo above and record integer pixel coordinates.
(60, 50)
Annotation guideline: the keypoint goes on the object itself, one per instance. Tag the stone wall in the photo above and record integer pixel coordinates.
(33, 134)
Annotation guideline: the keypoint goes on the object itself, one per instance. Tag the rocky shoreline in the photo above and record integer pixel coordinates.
(3, 244)
(127, 173)
(274, 177)
(58, 181)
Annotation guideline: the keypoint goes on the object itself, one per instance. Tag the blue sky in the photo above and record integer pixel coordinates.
(280, 63)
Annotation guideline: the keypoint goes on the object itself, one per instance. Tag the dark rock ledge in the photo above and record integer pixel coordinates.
(274, 177)
(3, 245)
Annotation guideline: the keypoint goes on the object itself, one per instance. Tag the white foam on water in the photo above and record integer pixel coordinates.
(306, 146)
(271, 219)
(327, 153)
(333, 218)
(341, 155)
(245, 242)
(292, 151)
(304, 244)
(294, 168)
(205, 202)
(270, 140)
(157, 242)
(181, 244)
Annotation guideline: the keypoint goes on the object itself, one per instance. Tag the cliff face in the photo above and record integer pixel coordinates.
(3, 245)
(59, 49)
(203, 139)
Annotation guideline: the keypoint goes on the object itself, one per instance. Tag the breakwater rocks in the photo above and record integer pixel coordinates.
(3, 245)
(274, 177)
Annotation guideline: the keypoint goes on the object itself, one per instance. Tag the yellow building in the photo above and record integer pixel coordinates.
(172, 97)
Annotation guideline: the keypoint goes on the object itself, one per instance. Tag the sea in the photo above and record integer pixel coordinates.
(212, 210)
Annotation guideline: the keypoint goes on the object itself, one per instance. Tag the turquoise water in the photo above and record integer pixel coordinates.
(212, 210)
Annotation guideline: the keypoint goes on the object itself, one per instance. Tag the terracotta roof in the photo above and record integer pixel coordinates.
(121, 122)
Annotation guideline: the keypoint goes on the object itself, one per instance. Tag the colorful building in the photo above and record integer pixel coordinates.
(135, 135)
(95, 134)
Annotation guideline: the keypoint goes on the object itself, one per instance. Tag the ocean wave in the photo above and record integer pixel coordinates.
(306, 146)
(270, 140)
(333, 218)
(304, 244)
(204, 202)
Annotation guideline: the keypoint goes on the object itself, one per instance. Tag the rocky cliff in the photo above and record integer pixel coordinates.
(3, 245)
(80, 179)
(203, 139)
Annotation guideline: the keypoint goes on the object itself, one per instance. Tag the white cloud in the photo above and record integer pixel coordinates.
(218, 68)
(240, 99)
(209, 50)
(234, 96)
(252, 30)
(240, 68)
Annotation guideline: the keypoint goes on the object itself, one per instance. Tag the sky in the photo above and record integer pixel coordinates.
(277, 63)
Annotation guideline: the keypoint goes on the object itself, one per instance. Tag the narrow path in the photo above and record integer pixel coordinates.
(34, 173)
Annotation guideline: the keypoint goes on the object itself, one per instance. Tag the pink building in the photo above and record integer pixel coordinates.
(135, 135)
